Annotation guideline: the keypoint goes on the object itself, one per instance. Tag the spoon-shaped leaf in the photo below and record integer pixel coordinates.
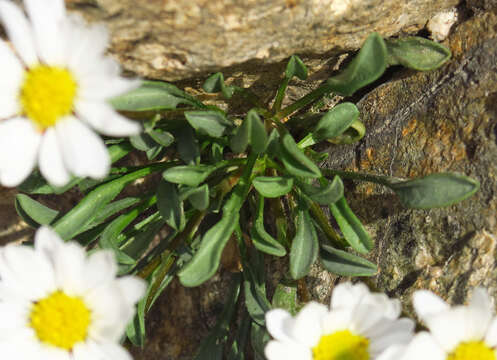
(368, 65)
(305, 246)
(345, 264)
(336, 121)
(435, 190)
(417, 53)
(352, 229)
(273, 186)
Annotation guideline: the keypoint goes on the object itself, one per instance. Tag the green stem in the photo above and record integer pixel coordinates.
(280, 95)
(304, 101)
(387, 181)
(307, 141)
(330, 233)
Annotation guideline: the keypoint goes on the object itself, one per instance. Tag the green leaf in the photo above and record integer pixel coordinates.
(261, 239)
(142, 142)
(198, 197)
(87, 209)
(295, 161)
(296, 67)
(112, 209)
(345, 264)
(34, 213)
(215, 83)
(187, 144)
(367, 66)
(351, 135)
(273, 186)
(259, 337)
(170, 206)
(273, 143)
(324, 195)
(163, 138)
(209, 122)
(417, 53)
(135, 331)
(191, 175)
(205, 262)
(305, 246)
(285, 297)
(352, 229)
(435, 190)
(251, 132)
(154, 95)
(335, 121)
(258, 135)
(254, 283)
(108, 239)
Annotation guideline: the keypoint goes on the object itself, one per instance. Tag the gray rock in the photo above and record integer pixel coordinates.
(179, 39)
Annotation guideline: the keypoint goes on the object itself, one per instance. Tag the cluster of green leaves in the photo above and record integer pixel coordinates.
(215, 169)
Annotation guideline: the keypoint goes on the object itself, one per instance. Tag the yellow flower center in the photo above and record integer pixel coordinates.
(473, 350)
(60, 320)
(47, 94)
(341, 345)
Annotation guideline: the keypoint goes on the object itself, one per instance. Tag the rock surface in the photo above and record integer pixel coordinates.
(177, 39)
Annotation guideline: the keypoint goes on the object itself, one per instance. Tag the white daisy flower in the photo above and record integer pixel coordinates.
(359, 325)
(57, 303)
(53, 93)
(456, 333)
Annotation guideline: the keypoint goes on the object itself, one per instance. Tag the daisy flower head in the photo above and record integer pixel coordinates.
(455, 333)
(54, 88)
(58, 303)
(359, 325)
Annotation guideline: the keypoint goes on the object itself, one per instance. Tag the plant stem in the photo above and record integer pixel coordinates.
(387, 181)
(280, 95)
(304, 101)
(322, 220)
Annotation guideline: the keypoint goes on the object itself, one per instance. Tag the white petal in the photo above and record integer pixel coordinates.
(132, 288)
(45, 17)
(83, 151)
(100, 269)
(14, 319)
(491, 336)
(427, 304)
(11, 73)
(67, 259)
(479, 314)
(25, 272)
(105, 120)
(48, 243)
(19, 31)
(69, 268)
(336, 320)
(50, 160)
(306, 327)
(276, 350)
(394, 352)
(86, 43)
(365, 317)
(390, 333)
(19, 142)
(423, 347)
(449, 327)
(348, 294)
(92, 350)
(278, 323)
(110, 314)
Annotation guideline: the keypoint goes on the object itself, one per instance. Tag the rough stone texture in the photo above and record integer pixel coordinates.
(419, 123)
(177, 39)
